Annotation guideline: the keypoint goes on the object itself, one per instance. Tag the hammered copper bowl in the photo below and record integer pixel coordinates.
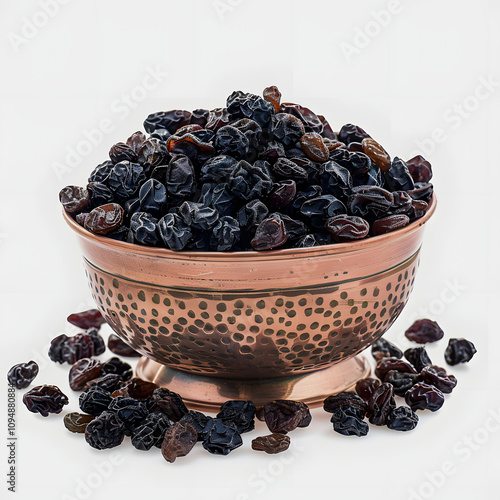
(257, 316)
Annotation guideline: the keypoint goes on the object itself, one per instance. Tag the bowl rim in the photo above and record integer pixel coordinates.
(249, 255)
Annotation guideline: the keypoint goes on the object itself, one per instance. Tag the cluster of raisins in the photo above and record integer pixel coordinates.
(116, 405)
(257, 174)
(417, 380)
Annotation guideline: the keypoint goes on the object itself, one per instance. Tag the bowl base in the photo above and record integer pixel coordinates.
(206, 393)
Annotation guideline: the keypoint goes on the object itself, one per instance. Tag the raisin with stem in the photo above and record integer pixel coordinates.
(271, 444)
(77, 422)
(104, 432)
(418, 357)
(118, 346)
(95, 400)
(424, 397)
(178, 441)
(22, 374)
(221, 437)
(402, 418)
(45, 399)
(459, 351)
(382, 348)
(83, 371)
(74, 198)
(424, 331)
(381, 404)
(437, 376)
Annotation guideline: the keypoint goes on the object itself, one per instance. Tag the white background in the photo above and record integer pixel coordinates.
(418, 70)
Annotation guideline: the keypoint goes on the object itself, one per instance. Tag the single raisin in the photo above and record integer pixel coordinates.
(313, 146)
(345, 228)
(284, 416)
(273, 95)
(178, 441)
(74, 198)
(129, 412)
(459, 351)
(385, 365)
(117, 366)
(77, 347)
(82, 371)
(21, 375)
(402, 418)
(382, 348)
(136, 388)
(87, 319)
(376, 153)
(424, 397)
(272, 444)
(221, 437)
(346, 422)
(389, 224)
(45, 399)
(402, 382)
(418, 357)
(381, 404)
(346, 400)
(437, 376)
(198, 420)
(270, 233)
(103, 219)
(167, 402)
(423, 331)
(366, 387)
(97, 340)
(150, 432)
(95, 400)
(104, 431)
(240, 413)
(77, 422)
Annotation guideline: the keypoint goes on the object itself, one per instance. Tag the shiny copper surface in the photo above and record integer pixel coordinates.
(205, 393)
(250, 315)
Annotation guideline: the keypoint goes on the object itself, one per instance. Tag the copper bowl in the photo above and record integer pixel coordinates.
(253, 323)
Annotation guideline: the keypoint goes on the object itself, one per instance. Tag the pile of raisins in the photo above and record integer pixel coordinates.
(416, 379)
(257, 174)
(115, 405)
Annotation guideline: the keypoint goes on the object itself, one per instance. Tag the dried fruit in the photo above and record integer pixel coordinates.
(221, 437)
(314, 147)
(418, 357)
(118, 346)
(167, 402)
(150, 432)
(402, 418)
(366, 387)
(82, 371)
(45, 399)
(437, 376)
(424, 397)
(402, 382)
(381, 404)
(346, 401)
(104, 431)
(95, 400)
(382, 348)
(346, 422)
(459, 351)
(87, 319)
(284, 416)
(270, 233)
(240, 413)
(273, 95)
(77, 422)
(389, 224)
(272, 444)
(387, 364)
(74, 198)
(117, 367)
(136, 388)
(178, 441)
(423, 331)
(97, 340)
(346, 228)
(376, 153)
(77, 347)
(21, 375)
(129, 412)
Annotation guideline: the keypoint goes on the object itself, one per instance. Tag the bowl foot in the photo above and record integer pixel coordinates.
(207, 393)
